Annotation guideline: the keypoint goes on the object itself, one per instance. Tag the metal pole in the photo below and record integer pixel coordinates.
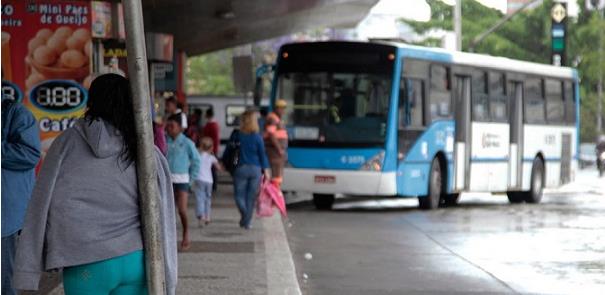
(146, 169)
(600, 85)
(458, 24)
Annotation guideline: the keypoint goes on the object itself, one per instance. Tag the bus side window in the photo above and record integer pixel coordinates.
(479, 96)
(440, 97)
(570, 104)
(498, 101)
(232, 112)
(411, 97)
(534, 101)
(554, 101)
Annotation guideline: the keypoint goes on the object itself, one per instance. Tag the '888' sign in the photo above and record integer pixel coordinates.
(58, 96)
(11, 91)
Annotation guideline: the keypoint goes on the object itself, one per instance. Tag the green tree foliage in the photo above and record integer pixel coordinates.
(584, 48)
(527, 37)
(211, 74)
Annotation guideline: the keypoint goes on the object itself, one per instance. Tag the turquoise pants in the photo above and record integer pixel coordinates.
(123, 275)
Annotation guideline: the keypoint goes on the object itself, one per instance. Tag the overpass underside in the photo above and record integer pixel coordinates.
(201, 26)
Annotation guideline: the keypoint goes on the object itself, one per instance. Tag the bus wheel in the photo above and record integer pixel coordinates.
(515, 197)
(534, 195)
(432, 200)
(323, 201)
(451, 200)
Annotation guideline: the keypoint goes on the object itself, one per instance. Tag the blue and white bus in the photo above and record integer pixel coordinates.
(389, 119)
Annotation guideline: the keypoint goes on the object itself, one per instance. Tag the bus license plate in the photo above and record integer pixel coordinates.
(325, 179)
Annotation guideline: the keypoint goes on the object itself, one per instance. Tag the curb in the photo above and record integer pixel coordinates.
(281, 272)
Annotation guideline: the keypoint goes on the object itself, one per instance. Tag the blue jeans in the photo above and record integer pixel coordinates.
(203, 197)
(8, 261)
(246, 181)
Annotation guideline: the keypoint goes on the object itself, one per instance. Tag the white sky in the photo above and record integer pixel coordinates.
(420, 10)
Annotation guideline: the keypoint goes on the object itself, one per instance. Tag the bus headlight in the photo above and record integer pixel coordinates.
(374, 164)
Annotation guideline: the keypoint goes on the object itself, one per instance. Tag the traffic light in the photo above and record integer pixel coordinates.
(558, 15)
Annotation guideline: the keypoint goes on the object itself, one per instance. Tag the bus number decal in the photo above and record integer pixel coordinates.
(549, 139)
(352, 159)
(489, 140)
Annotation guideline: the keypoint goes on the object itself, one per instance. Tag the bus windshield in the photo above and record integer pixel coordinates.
(336, 108)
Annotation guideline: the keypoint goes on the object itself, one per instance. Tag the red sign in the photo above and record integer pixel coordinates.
(46, 54)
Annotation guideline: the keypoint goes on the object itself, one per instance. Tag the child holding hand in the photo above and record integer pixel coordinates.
(203, 183)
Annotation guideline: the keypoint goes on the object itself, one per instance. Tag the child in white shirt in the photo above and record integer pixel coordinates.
(203, 183)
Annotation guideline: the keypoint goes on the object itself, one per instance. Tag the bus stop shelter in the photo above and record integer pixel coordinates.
(201, 26)
(81, 30)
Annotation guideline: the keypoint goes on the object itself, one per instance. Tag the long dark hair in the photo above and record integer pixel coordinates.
(110, 99)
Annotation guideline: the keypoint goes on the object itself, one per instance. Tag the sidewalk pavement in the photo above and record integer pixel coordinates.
(225, 259)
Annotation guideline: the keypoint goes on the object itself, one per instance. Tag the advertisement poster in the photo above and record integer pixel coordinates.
(101, 19)
(46, 53)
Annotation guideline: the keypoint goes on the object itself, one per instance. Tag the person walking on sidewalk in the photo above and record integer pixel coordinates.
(276, 141)
(159, 136)
(84, 216)
(184, 162)
(194, 129)
(172, 108)
(212, 129)
(20, 154)
(252, 163)
(202, 186)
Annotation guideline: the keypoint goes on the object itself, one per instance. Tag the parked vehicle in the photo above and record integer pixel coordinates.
(389, 119)
(587, 156)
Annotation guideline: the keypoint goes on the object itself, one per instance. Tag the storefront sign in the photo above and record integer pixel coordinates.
(46, 54)
(159, 47)
(101, 19)
(114, 57)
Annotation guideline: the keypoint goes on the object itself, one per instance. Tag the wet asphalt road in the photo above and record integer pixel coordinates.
(483, 246)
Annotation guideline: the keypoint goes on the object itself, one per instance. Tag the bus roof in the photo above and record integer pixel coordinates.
(482, 60)
(464, 58)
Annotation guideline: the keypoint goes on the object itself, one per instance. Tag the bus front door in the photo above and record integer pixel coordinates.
(515, 94)
(462, 148)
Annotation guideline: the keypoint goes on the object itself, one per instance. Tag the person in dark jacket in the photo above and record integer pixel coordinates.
(20, 154)
(252, 163)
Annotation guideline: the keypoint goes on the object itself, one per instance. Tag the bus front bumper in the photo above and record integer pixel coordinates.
(362, 183)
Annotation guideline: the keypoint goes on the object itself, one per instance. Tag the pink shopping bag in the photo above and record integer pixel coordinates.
(264, 204)
(277, 198)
